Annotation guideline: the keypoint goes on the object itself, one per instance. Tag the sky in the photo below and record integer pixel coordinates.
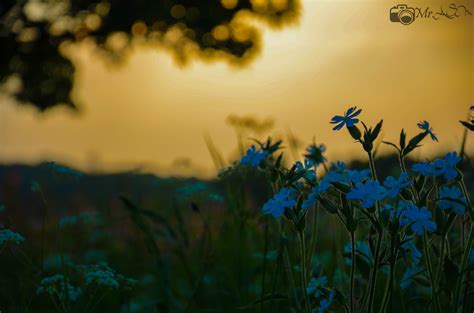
(152, 114)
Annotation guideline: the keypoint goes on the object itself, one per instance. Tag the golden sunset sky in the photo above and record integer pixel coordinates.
(152, 114)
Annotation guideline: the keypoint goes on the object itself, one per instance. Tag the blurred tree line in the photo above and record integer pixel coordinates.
(33, 33)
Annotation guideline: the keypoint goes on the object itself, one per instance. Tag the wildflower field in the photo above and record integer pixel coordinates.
(387, 234)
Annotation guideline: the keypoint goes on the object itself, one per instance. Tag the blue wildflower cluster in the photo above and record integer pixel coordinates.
(54, 286)
(276, 206)
(398, 210)
(104, 276)
(87, 218)
(445, 167)
(7, 236)
(254, 157)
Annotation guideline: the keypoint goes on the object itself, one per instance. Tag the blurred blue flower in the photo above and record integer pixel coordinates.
(102, 275)
(8, 236)
(414, 252)
(276, 206)
(455, 194)
(313, 195)
(471, 256)
(315, 286)
(394, 186)
(349, 118)
(447, 166)
(368, 192)
(310, 173)
(339, 166)
(314, 154)
(424, 125)
(356, 176)
(424, 168)
(330, 177)
(409, 274)
(54, 286)
(326, 303)
(419, 219)
(254, 157)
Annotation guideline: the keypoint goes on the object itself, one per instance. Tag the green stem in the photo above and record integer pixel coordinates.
(434, 293)
(373, 276)
(441, 260)
(389, 287)
(289, 273)
(314, 233)
(464, 261)
(303, 271)
(372, 166)
(353, 263)
(265, 247)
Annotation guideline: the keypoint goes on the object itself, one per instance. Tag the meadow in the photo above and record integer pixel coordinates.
(387, 234)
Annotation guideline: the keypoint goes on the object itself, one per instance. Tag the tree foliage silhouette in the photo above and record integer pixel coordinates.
(32, 33)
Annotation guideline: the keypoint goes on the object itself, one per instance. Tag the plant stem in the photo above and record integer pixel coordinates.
(434, 293)
(373, 276)
(289, 273)
(387, 298)
(353, 263)
(441, 260)
(314, 233)
(303, 271)
(464, 261)
(265, 247)
(372, 166)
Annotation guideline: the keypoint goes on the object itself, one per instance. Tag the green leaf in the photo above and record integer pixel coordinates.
(414, 143)
(341, 187)
(391, 144)
(374, 134)
(468, 125)
(355, 132)
(403, 137)
(330, 206)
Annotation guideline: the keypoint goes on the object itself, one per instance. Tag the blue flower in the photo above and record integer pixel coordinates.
(315, 286)
(447, 166)
(471, 256)
(101, 275)
(368, 192)
(254, 157)
(419, 219)
(411, 247)
(339, 166)
(331, 177)
(8, 236)
(424, 168)
(409, 274)
(394, 186)
(356, 176)
(54, 286)
(326, 303)
(321, 187)
(348, 119)
(276, 206)
(310, 173)
(424, 125)
(314, 154)
(455, 194)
